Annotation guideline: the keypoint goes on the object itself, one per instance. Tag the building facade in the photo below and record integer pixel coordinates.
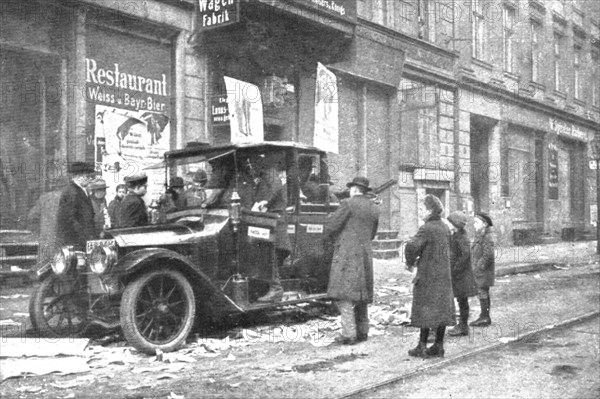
(485, 103)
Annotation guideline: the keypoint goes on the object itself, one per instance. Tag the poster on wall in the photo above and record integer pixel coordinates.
(129, 141)
(552, 172)
(326, 110)
(245, 111)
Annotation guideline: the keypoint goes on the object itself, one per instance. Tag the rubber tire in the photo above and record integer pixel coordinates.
(128, 306)
(36, 312)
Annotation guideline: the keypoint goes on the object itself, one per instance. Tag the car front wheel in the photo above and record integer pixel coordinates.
(157, 311)
(59, 307)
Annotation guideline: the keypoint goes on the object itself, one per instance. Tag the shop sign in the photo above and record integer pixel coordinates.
(211, 14)
(569, 130)
(340, 9)
(219, 113)
(326, 130)
(552, 172)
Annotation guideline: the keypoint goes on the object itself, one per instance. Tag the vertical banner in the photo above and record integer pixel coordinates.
(245, 111)
(326, 110)
(130, 141)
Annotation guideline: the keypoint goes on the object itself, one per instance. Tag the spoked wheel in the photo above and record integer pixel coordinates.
(59, 307)
(157, 311)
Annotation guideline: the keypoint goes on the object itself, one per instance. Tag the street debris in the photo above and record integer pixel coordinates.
(173, 395)
(15, 367)
(36, 347)
(73, 383)
(9, 322)
(29, 389)
(537, 276)
(15, 296)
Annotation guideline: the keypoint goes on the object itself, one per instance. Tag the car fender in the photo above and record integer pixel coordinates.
(135, 261)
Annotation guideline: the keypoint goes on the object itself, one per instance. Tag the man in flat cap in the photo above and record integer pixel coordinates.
(133, 208)
(75, 216)
(353, 226)
(483, 261)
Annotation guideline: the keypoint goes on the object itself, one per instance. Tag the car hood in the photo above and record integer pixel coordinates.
(168, 234)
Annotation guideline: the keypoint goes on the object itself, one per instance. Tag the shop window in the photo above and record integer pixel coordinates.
(31, 116)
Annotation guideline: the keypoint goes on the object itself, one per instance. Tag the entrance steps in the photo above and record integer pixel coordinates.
(387, 245)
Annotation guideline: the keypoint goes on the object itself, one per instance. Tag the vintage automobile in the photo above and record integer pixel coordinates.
(210, 258)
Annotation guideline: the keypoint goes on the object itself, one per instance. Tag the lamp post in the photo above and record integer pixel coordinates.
(595, 147)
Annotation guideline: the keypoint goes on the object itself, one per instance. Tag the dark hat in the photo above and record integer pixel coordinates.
(434, 204)
(361, 182)
(200, 176)
(81, 168)
(485, 217)
(98, 184)
(176, 182)
(458, 219)
(136, 180)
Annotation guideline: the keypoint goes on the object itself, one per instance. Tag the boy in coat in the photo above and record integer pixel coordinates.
(133, 207)
(483, 260)
(433, 303)
(463, 284)
(352, 227)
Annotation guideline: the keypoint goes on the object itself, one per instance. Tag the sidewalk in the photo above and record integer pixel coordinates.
(530, 258)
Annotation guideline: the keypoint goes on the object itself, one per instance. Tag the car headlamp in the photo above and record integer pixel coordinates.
(63, 260)
(102, 259)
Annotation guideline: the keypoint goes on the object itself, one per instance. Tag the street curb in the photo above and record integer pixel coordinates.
(461, 356)
(526, 268)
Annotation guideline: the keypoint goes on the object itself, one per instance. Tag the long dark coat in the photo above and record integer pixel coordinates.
(482, 259)
(133, 211)
(75, 217)
(463, 283)
(352, 227)
(428, 250)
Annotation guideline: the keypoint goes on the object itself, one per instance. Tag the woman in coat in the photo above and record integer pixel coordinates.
(482, 258)
(433, 303)
(463, 283)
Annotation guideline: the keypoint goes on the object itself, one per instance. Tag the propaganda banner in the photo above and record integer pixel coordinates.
(129, 141)
(245, 111)
(326, 111)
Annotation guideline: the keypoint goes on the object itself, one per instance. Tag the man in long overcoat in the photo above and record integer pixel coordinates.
(484, 269)
(433, 303)
(352, 227)
(133, 207)
(75, 216)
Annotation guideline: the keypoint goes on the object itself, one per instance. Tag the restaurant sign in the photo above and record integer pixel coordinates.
(212, 14)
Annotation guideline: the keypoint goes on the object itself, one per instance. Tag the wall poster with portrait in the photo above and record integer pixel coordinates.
(129, 112)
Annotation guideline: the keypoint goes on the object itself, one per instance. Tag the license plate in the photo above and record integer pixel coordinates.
(90, 245)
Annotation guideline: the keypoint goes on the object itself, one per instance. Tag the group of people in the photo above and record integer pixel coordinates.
(447, 266)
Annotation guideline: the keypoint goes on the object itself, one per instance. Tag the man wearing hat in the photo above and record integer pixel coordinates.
(97, 190)
(195, 195)
(75, 215)
(133, 208)
(173, 199)
(353, 226)
(483, 261)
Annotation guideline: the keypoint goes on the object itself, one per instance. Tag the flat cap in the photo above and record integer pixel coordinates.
(458, 219)
(176, 182)
(485, 217)
(98, 184)
(136, 180)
